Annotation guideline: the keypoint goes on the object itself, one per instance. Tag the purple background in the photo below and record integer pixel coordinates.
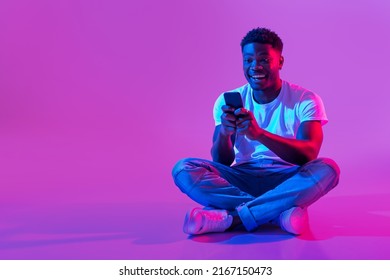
(99, 99)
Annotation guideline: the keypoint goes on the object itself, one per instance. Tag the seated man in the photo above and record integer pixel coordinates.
(265, 166)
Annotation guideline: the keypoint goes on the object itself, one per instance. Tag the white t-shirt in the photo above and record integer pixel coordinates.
(282, 116)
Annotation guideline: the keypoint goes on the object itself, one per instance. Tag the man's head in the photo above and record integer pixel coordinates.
(262, 59)
(263, 36)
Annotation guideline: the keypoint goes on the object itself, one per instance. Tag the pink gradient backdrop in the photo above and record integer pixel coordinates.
(99, 99)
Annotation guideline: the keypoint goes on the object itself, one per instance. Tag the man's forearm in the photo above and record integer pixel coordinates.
(222, 150)
(295, 151)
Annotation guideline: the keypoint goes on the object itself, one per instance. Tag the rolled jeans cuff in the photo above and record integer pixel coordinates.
(246, 217)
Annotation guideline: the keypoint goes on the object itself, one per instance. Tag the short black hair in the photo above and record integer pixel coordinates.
(263, 36)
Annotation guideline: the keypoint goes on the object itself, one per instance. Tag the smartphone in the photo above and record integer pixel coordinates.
(233, 99)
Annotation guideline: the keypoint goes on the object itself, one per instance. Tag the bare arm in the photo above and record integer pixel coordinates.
(222, 150)
(224, 136)
(304, 148)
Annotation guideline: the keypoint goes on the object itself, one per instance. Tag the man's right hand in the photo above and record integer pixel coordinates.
(224, 137)
(228, 121)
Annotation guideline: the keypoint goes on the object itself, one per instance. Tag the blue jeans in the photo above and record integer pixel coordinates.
(257, 192)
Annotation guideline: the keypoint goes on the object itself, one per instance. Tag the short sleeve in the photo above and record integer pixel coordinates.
(217, 109)
(311, 108)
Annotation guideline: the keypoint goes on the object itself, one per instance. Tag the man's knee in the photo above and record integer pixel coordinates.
(179, 166)
(185, 165)
(332, 164)
(185, 173)
(328, 167)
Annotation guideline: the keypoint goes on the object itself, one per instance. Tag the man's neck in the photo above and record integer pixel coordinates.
(268, 95)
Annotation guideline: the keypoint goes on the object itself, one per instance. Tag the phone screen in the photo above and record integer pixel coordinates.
(233, 99)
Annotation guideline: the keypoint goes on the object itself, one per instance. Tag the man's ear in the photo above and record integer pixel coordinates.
(281, 62)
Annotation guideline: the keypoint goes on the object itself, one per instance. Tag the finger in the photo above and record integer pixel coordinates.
(228, 123)
(229, 129)
(228, 117)
(246, 120)
(243, 124)
(227, 109)
(241, 111)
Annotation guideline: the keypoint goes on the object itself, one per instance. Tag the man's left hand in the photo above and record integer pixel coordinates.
(246, 124)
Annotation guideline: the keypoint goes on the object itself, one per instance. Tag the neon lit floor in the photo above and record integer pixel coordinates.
(343, 226)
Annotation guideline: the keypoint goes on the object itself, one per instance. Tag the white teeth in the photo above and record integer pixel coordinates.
(258, 76)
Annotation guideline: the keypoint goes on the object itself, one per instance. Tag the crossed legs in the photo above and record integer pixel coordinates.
(255, 194)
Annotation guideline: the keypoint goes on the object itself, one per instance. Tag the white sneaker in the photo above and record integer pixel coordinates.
(294, 220)
(198, 221)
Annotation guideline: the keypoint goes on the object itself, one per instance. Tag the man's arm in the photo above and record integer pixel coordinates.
(304, 148)
(297, 151)
(224, 136)
(222, 150)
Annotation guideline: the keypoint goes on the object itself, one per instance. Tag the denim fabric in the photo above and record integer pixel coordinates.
(258, 192)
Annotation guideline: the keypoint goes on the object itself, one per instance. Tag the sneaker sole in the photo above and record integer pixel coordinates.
(294, 221)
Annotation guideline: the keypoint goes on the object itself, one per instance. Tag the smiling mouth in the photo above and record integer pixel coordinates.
(257, 77)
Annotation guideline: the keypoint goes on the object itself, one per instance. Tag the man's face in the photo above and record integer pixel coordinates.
(261, 65)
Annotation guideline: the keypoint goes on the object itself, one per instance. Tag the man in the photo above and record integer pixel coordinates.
(274, 140)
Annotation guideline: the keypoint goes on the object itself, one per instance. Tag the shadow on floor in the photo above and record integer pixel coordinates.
(140, 224)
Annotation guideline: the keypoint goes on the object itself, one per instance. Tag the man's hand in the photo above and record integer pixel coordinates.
(228, 121)
(247, 124)
(222, 150)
